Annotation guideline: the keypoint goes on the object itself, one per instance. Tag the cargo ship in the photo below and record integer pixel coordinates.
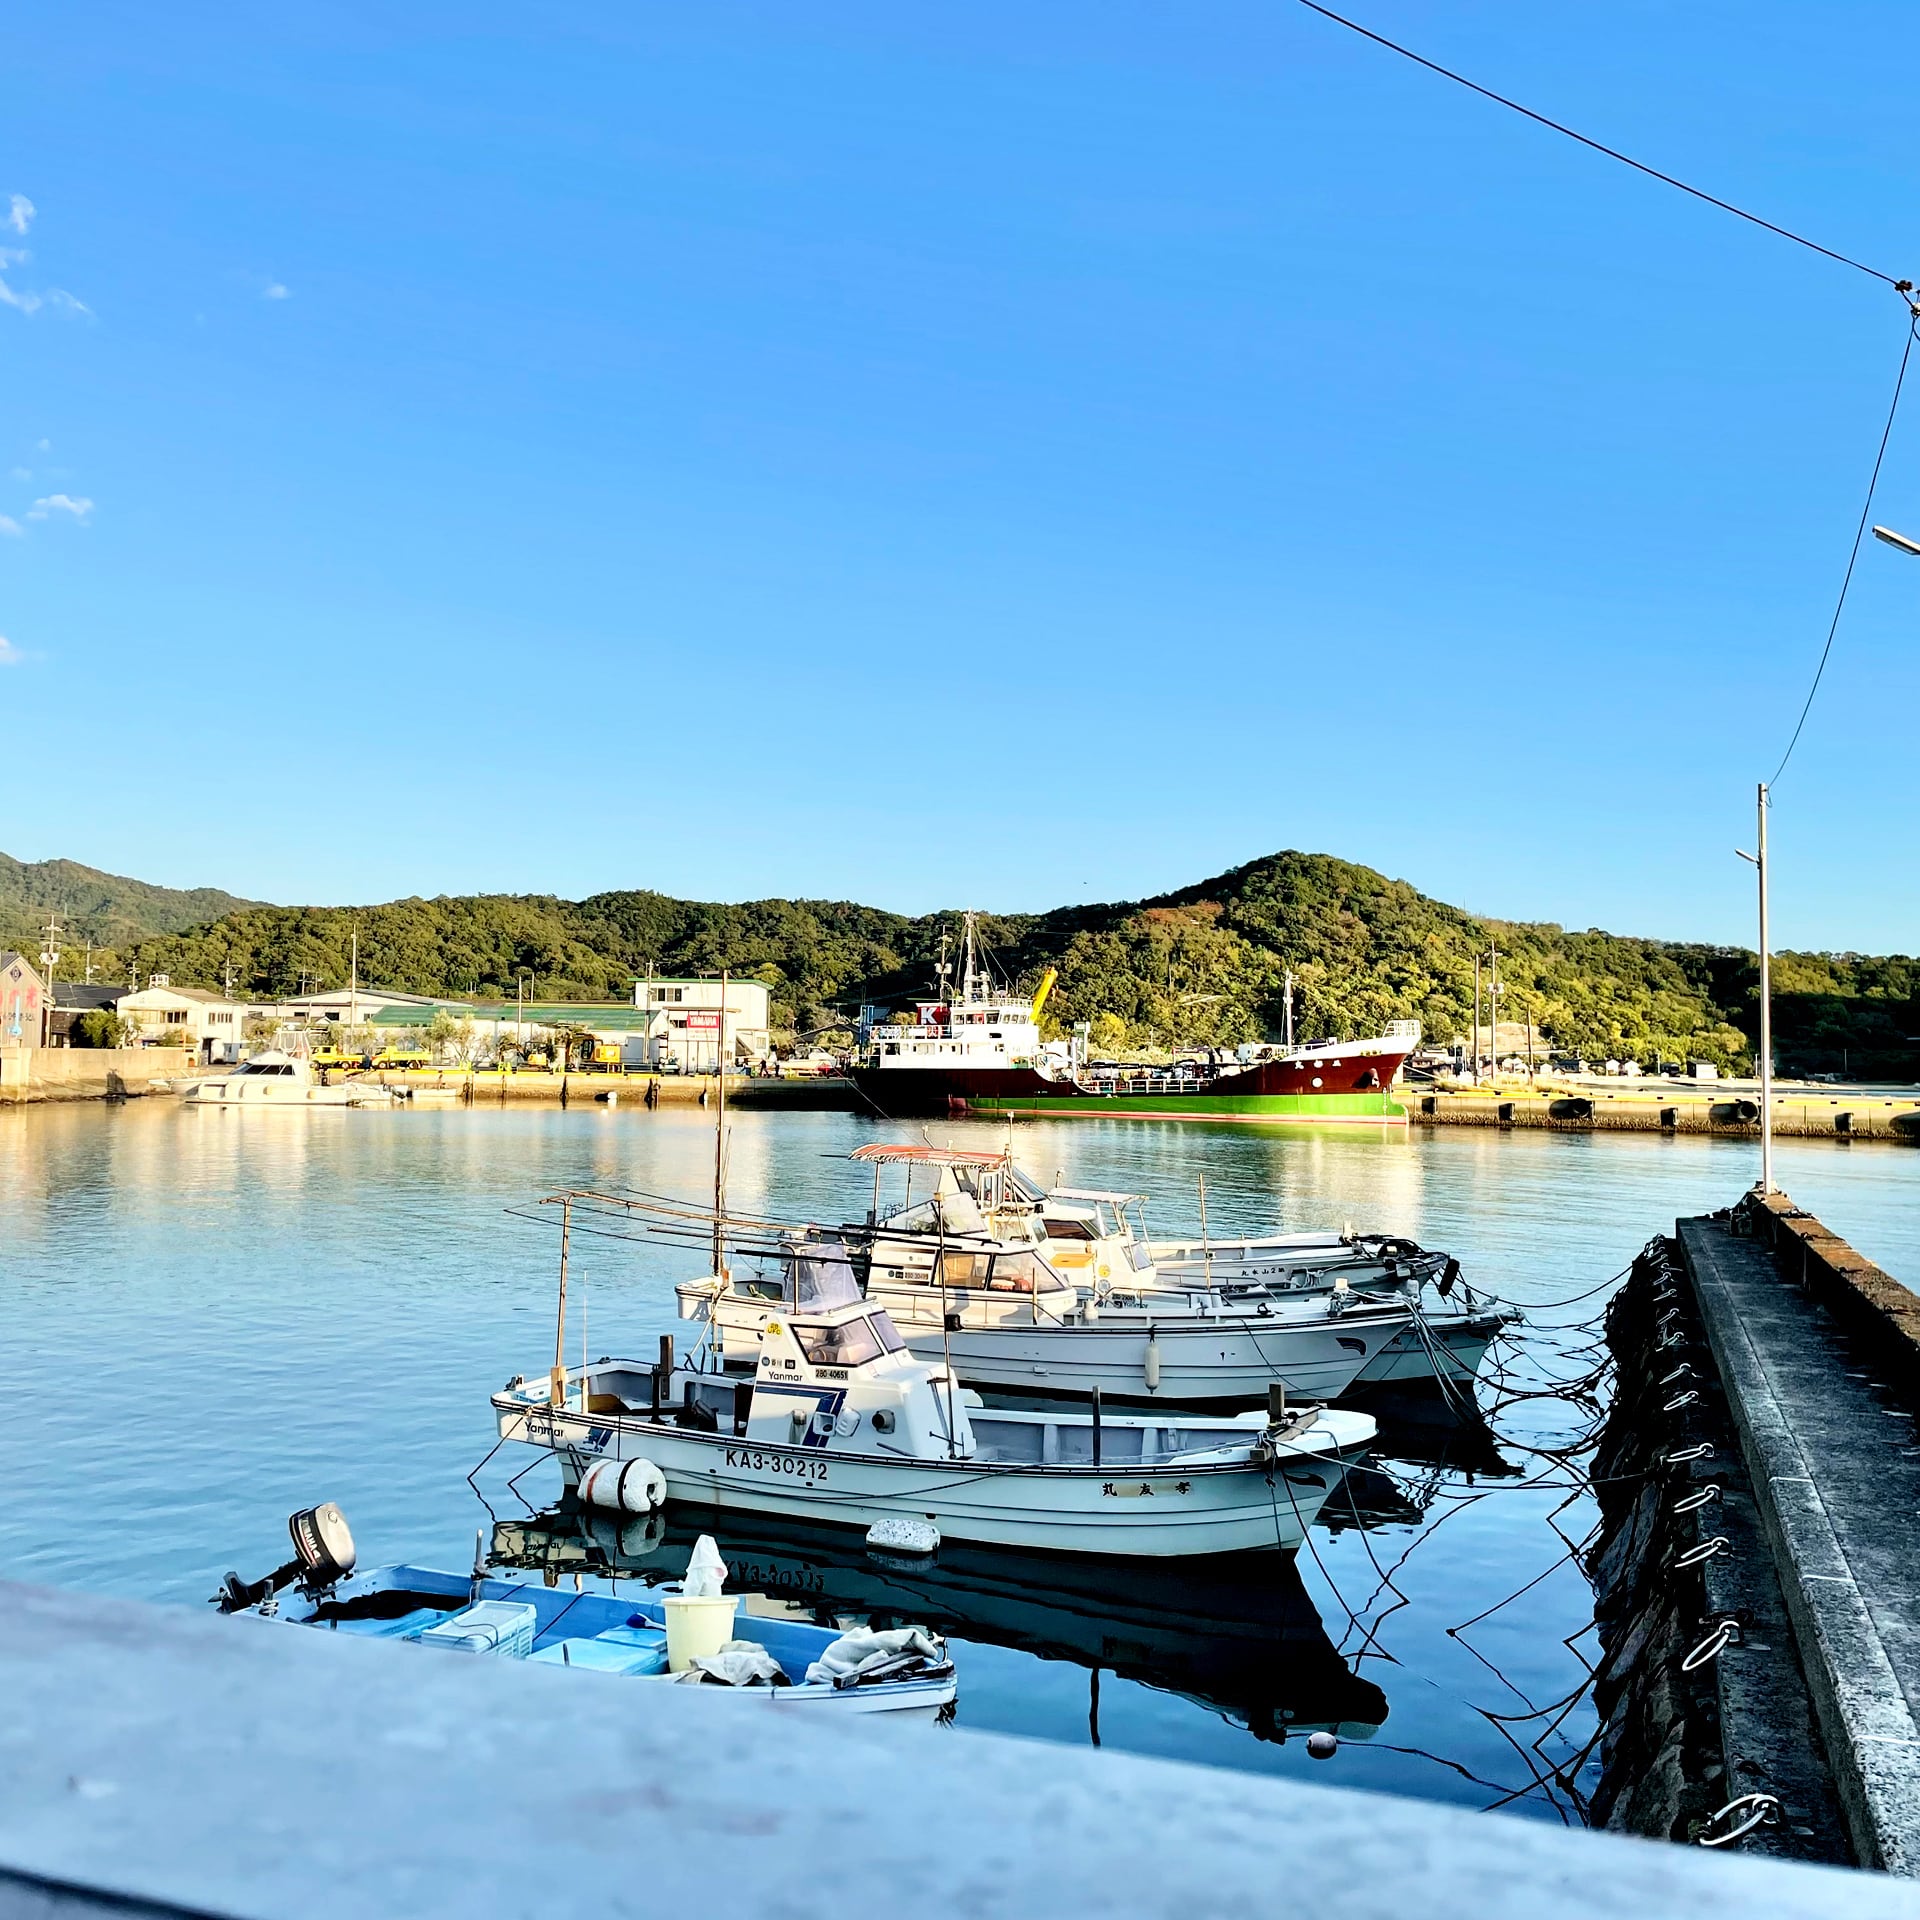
(978, 1050)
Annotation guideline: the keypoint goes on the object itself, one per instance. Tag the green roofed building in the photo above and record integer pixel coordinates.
(672, 1025)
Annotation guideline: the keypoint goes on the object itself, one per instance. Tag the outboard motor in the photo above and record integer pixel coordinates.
(323, 1555)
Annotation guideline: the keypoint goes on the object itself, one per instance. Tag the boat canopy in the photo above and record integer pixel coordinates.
(820, 1276)
(884, 1154)
(1092, 1194)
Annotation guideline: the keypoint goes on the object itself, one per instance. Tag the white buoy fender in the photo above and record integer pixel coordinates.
(903, 1534)
(1151, 1367)
(624, 1486)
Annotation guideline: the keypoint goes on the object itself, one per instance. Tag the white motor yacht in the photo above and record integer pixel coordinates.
(281, 1080)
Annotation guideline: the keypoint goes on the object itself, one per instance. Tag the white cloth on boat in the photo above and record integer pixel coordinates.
(740, 1663)
(866, 1647)
(706, 1571)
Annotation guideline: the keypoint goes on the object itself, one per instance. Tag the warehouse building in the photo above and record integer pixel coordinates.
(671, 1026)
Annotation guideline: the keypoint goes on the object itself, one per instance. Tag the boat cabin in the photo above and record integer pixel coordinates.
(829, 1370)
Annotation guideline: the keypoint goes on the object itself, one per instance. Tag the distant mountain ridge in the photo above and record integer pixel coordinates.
(106, 908)
(1205, 965)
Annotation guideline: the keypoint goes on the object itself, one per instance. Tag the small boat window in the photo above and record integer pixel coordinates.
(960, 1269)
(846, 1345)
(887, 1333)
(1068, 1230)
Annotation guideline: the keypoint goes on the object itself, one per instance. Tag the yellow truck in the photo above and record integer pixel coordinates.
(401, 1057)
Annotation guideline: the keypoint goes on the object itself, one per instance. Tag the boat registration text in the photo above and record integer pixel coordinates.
(791, 1464)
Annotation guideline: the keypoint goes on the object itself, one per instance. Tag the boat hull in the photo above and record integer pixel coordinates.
(1376, 1107)
(1225, 1360)
(1127, 1510)
(1448, 1348)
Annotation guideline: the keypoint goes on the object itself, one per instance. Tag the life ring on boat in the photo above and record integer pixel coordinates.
(624, 1486)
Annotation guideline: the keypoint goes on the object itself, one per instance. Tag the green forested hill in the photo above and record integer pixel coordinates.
(1204, 964)
(105, 908)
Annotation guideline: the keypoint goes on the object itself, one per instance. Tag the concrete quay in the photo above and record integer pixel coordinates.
(1819, 1353)
(165, 1761)
(454, 1086)
(1729, 1109)
(33, 1074)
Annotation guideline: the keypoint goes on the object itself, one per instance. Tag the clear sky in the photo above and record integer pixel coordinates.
(1000, 455)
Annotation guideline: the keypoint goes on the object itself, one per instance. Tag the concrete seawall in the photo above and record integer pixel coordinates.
(1757, 1574)
(454, 1087)
(29, 1074)
(1729, 1112)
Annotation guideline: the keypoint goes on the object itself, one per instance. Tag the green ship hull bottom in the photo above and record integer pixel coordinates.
(1376, 1108)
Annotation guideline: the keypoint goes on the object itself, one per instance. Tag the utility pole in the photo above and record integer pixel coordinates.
(1759, 862)
(89, 980)
(1289, 1009)
(353, 990)
(1476, 1019)
(49, 960)
(1493, 1011)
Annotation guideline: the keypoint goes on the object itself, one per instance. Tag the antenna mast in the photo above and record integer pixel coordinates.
(720, 1140)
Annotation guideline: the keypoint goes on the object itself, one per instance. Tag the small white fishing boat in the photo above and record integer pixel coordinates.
(275, 1079)
(1009, 1325)
(778, 1661)
(1096, 1241)
(839, 1422)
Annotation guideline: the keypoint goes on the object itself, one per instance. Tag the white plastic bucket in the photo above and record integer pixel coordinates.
(697, 1626)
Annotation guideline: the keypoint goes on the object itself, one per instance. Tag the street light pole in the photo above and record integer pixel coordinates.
(1766, 1008)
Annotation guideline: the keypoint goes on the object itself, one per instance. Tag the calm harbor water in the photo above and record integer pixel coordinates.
(209, 1319)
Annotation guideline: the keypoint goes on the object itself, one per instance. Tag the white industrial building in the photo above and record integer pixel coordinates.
(690, 1025)
(216, 1027)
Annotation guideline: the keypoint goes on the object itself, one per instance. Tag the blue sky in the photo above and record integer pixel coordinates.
(997, 455)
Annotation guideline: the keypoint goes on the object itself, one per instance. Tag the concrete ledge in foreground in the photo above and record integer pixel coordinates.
(240, 1768)
(1831, 1456)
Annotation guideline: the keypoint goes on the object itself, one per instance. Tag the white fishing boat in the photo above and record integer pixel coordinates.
(773, 1659)
(1097, 1241)
(275, 1079)
(1011, 1326)
(839, 1422)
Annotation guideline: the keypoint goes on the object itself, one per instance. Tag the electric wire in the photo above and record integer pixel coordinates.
(1597, 146)
(1853, 553)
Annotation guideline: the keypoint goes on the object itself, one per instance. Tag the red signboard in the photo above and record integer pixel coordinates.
(704, 1022)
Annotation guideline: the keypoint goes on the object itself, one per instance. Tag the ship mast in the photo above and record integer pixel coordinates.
(720, 1140)
(967, 969)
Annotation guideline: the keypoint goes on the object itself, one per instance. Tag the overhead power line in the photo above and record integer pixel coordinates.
(1598, 146)
(1902, 287)
(1859, 533)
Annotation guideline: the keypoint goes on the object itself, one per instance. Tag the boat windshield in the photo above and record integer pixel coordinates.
(848, 1344)
(820, 1275)
(1017, 1272)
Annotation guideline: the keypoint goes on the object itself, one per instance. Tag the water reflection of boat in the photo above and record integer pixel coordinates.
(1432, 1426)
(1236, 1633)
